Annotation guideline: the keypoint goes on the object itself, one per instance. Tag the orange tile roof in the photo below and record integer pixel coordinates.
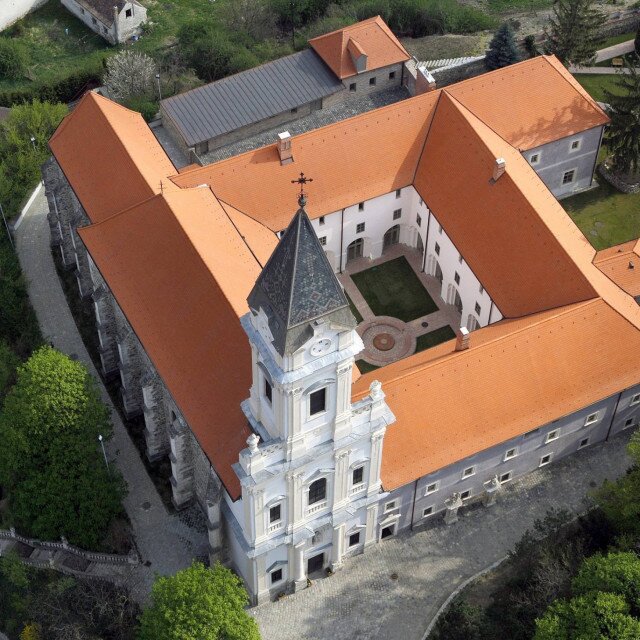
(517, 376)
(622, 265)
(371, 37)
(181, 274)
(109, 156)
(530, 103)
(353, 160)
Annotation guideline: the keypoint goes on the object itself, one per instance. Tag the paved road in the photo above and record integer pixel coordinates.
(606, 54)
(162, 538)
(363, 601)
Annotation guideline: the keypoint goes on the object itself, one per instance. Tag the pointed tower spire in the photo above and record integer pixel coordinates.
(297, 285)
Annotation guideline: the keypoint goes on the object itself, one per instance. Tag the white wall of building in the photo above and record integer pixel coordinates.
(12, 10)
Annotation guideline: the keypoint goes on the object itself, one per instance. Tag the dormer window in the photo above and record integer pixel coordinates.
(317, 401)
(317, 491)
(275, 513)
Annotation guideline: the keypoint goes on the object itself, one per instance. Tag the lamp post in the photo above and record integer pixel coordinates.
(104, 453)
(159, 89)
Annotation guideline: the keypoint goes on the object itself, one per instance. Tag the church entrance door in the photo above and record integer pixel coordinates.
(458, 302)
(315, 563)
(355, 250)
(391, 237)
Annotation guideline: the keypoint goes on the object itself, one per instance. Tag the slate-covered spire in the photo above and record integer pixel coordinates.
(298, 286)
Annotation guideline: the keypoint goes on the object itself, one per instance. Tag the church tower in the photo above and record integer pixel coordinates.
(310, 476)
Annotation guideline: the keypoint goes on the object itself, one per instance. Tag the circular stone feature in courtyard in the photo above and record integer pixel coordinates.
(384, 342)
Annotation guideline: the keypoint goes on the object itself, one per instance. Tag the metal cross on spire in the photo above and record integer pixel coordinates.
(302, 180)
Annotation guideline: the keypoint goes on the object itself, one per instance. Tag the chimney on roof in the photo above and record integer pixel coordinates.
(284, 147)
(425, 82)
(462, 339)
(499, 168)
(631, 265)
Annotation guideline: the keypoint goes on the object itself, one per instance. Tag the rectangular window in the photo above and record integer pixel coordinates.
(397, 214)
(268, 392)
(358, 475)
(398, 193)
(439, 228)
(360, 227)
(294, 110)
(354, 539)
(437, 249)
(431, 488)
(104, 30)
(591, 419)
(465, 495)
(583, 443)
(505, 477)
(568, 176)
(372, 82)
(575, 145)
(635, 399)
(427, 512)
(469, 471)
(628, 422)
(551, 436)
(481, 289)
(275, 513)
(531, 433)
(390, 506)
(546, 459)
(81, 10)
(510, 453)
(352, 86)
(128, 13)
(419, 220)
(534, 158)
(94, 21)
(421, 202)
(392, 75)
(456, 277)
(323, 240)
(321, 220)
(276, 576)
(361, 206)
(317, 401)
(478, 309)
(460, 258)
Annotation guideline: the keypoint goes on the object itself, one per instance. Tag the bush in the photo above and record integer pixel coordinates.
(13, 60)
(147, 108)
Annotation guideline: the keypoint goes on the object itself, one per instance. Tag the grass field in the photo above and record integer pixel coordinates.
(604, 215)
(623, 37)
(393, 289)
(596, 84)
(433, 338)
(57, 44)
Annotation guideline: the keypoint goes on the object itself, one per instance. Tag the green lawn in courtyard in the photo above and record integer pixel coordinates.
(623, 37)
(356, 314)
(393, 289)
(433, 338)
(596, 84)
(604, 215)
(365, 367)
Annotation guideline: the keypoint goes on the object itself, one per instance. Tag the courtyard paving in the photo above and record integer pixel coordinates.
(166, 541)
(365, 602)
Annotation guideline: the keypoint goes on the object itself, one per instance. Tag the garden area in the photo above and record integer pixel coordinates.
(393, 289)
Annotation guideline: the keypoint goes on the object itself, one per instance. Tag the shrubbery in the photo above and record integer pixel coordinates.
(12, 59)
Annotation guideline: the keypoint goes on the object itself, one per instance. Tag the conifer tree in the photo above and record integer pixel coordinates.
(623, 134)
(572, 34)
(636, 42)
(503, 50)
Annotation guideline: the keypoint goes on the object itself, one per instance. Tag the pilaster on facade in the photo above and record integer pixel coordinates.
(130, 366)
(155, 415)
(181, 457)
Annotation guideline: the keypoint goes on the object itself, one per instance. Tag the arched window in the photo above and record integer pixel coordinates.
(317, 490)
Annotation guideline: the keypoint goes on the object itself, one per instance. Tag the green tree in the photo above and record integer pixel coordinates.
(596, 616)
(57, 482)
(617, 572)
(623, 134)
(12, 59)
(572, 34)
(503, 50)
(198, 604)
(8, 363)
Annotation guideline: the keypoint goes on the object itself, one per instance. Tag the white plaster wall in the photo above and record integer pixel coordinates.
(12, 10)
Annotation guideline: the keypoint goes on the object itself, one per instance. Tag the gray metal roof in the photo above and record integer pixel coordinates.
(251, 96)
(297, 286)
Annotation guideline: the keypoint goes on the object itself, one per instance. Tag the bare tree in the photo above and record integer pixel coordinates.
(129, 75)
(253, 17)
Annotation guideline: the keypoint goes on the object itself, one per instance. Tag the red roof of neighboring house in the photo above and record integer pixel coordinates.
(372, 38)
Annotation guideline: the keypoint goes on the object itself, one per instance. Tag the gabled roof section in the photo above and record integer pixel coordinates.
(350, 161)
(181, 274)
(530, 103)
(297, 285)
(517, 375)
(372, 38)
(499, 229)
(621, 264)
(110, 157)
(250, 96)
(103, 9)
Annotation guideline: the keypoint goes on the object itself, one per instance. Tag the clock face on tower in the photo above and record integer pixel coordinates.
(320, 347)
